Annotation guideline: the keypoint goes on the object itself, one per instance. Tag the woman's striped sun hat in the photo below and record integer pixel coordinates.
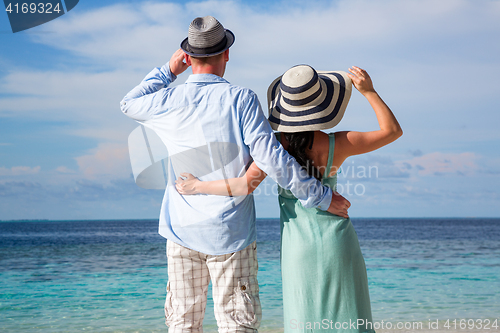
(305, 100)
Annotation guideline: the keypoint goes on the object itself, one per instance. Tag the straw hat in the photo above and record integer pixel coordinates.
(206, 37)
(305, 100)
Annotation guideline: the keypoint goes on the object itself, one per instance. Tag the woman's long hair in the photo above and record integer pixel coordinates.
(298, 143)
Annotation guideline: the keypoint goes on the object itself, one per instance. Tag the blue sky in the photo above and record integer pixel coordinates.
(63, 139)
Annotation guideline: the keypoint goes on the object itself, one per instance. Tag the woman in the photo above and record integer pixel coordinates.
(325, 286)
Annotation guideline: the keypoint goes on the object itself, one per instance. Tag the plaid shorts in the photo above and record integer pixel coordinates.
(235, 290)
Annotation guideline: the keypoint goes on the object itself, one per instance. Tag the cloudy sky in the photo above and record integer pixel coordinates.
(63, 138)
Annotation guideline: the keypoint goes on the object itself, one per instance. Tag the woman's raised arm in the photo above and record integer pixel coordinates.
(350, 143)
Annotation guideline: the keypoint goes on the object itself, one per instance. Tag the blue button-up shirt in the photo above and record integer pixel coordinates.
(213, 129)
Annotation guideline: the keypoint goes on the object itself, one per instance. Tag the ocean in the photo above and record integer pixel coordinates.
(110, 276)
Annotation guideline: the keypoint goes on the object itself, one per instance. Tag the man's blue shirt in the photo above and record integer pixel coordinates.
(213, 130)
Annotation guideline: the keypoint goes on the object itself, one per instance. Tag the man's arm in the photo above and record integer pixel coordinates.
(272, 158)
(139, 103)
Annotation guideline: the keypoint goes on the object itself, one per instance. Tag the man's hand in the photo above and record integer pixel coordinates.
(339, 205)
(176, 63)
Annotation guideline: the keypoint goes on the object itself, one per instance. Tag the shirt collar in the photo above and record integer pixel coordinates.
(205, 78)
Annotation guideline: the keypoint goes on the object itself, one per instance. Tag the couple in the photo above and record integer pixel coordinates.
(217, 132)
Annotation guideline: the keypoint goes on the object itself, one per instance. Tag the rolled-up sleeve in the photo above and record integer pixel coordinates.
(274, 160)
(139, 103)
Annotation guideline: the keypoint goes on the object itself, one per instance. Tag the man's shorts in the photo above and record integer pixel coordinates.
(235, 289)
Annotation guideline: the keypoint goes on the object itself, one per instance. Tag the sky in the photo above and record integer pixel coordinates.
(63, 138)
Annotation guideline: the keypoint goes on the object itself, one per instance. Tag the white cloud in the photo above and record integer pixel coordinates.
(107, 160)
(420, 53)
(19, 171)
(65, 170)
(143, 31)
(62, 95)
(438, 163)
(121, 36)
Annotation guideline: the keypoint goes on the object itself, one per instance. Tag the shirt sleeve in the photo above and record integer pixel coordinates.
(274, 160)
(139, 103)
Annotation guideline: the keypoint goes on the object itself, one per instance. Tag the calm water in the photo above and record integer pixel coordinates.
(110, 276)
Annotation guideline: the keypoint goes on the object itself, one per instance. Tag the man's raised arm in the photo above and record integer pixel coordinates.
(137, 104)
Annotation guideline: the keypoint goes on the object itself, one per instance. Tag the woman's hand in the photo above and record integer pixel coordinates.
(361, 80)
(188, 185)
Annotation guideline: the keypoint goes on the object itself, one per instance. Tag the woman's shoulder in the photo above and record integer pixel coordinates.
(321, 142)
(326, 146)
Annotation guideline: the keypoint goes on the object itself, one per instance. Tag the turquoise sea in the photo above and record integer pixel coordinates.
(110, 276)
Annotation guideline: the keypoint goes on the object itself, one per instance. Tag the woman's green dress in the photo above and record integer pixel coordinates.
(325, 287)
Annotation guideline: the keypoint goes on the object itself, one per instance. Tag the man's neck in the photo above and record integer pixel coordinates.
(205, 72)
(216, 70)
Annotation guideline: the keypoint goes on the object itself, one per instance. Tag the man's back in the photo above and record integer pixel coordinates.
(205, 124)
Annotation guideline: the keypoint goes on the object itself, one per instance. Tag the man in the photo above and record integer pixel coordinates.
(213, 129)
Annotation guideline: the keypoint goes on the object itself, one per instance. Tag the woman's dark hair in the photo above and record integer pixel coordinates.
(298, 143)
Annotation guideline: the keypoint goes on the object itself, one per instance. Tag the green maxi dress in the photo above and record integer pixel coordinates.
(325, 287)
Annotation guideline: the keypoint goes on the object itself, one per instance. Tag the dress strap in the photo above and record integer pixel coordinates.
(331, 148)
